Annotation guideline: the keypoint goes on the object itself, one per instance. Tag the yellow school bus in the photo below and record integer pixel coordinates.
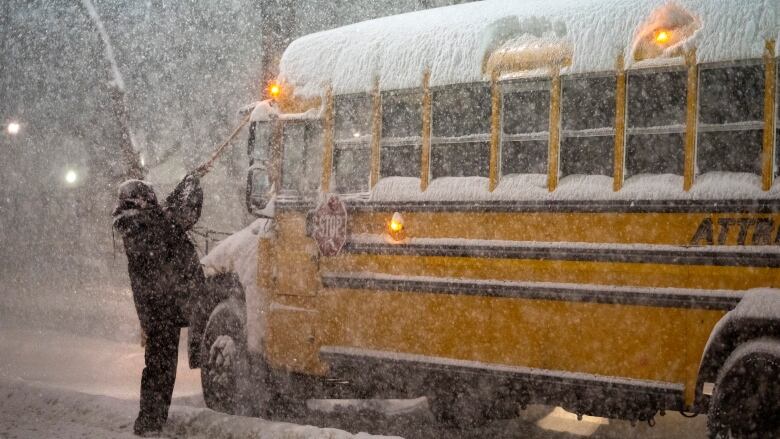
(526, 202)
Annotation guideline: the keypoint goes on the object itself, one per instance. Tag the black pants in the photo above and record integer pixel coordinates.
(159, 375)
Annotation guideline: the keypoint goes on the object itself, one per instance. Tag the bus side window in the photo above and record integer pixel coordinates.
(731, 118)
(293, 139)
(460, 132)
(588, 117)
(259, 139)
(525, 124)
(352, 152)
(656, 122)
(312, 157)
(401, 134)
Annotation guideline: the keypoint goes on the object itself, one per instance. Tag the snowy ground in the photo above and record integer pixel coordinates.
(53, 384)
(58, 385)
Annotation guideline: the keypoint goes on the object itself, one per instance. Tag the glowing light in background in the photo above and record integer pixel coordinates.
(71, 176)
(14, 128)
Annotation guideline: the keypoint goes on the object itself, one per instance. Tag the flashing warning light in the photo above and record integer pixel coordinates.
(274, 90)
(397, 223)
(662, 36)
(395, 227)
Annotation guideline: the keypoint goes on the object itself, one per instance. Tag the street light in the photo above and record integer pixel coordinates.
(71, 176)
(13, 128)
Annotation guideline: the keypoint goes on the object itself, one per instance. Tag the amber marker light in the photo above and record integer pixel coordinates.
(662, 36)
(395, 228)
(274, 90)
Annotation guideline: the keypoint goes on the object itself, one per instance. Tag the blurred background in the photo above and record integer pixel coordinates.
(187, 68)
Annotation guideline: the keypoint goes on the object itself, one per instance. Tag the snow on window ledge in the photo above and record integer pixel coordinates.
(533, 187)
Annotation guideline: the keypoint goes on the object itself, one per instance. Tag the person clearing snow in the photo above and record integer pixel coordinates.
(166, 279)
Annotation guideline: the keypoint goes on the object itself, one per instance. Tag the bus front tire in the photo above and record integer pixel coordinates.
(746, 399)
(224, 361)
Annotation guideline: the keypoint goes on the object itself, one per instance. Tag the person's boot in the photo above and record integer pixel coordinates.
(146, 428)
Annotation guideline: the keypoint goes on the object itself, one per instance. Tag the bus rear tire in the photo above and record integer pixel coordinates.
(746, 399)
(224, 361)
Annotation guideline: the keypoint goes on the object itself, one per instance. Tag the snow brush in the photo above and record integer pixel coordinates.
(206, 166)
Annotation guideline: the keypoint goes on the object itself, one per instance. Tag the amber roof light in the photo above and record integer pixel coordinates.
(662, 36)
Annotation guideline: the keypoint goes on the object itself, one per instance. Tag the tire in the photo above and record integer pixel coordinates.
(746, 399)
(224, 370)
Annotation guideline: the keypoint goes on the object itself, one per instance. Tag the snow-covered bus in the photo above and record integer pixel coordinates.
(502, 203)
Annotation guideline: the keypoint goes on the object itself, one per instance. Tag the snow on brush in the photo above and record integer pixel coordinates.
(454, 41)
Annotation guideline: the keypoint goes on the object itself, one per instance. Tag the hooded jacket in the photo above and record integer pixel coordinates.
(163, 264)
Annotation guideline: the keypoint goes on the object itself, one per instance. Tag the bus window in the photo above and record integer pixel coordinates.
(460, 159)
(525, 124)
(351, 168)
(731, 118)
(401, 134)
(259, 139)
(293, 140)
(352, 153)
(312, 157)
(460, 143)
(656, 122)
(588, 116)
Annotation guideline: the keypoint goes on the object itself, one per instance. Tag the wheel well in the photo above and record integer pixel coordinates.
(224, 337)
(230, 306)
(219, 288)
(736, 384)
(223, 286)
(752, 319)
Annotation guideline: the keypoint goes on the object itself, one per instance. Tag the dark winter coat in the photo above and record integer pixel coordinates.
(163, 264)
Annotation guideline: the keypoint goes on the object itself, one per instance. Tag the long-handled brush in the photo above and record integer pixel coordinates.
(205, 167)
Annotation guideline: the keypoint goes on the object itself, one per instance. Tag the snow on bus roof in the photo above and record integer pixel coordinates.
(454, 41)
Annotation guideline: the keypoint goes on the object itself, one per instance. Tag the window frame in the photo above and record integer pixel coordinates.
(362, 142)
(388, 144)
(601, 132)
(655, 130)
(731, 127)
(532, 84)
(443, 141)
